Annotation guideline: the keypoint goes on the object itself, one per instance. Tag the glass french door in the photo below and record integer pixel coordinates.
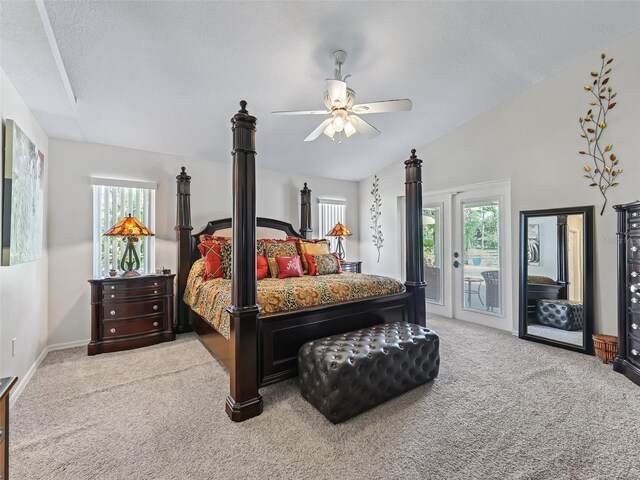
(467, 254)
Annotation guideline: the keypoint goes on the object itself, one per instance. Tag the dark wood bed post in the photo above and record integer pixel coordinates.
(563, 257)
(305, 212)
(415, 283)
(244, 401)
(183, 229)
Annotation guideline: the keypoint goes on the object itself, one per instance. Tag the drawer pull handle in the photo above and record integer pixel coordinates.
(634, 352)
(155, 324)
(155, 291)
(112, 312)
(634, 326)
(634, 300)
(634, 225)
(113, 287)
(634, 274)
(155, 284)
(113, 295)
(155, 307)
(633, 288)
(113, 330)
(634, 214)
(634, 249)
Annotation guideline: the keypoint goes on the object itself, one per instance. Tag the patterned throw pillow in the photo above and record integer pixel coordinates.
(327, 264)
(226, 250)
(312, 247)
(211, 251)
(289, 266)
(205, 237)
(278, 248)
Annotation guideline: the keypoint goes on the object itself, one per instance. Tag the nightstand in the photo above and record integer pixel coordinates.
(130, 312)
(353, 266)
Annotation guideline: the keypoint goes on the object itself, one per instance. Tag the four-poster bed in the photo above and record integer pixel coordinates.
(262, 349)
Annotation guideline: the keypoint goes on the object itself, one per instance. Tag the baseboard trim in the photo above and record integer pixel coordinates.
(22, 382)
(63, 346)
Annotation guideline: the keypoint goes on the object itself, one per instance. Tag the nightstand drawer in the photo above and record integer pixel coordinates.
(116, 295)
(119, 311)
(132, 327)
(133, 289)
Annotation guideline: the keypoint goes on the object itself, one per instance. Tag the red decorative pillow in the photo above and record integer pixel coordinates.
(211, 251)
(339, 263)
(289, 266)
(263, 267)
(311, 264)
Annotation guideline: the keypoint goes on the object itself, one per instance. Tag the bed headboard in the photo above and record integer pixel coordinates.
(266, 228)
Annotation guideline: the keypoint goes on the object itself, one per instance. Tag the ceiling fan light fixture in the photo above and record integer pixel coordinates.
(338, 123)
(349, 129)
(329, 131)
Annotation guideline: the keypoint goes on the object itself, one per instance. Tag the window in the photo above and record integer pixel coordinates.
(330, 213)
(113, 200)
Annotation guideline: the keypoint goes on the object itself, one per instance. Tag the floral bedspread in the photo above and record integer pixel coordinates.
(211, 298)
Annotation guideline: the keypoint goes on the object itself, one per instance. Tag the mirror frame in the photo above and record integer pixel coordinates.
(587, 288)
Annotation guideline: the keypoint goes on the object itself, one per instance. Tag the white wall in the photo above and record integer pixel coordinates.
(533, 139)
(72, 166)
(23, 288)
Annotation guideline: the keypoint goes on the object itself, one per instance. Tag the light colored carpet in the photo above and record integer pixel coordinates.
(567, 336)
(501, 408)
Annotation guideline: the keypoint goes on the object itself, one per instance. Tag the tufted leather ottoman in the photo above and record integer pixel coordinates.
(563, 314)
(344, 375)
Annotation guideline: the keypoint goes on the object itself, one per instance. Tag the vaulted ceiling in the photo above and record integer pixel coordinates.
(167, 76)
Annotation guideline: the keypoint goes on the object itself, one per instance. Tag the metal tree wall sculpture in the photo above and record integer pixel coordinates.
(376, 210)
(602, 166)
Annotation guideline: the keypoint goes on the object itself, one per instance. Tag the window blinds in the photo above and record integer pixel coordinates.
(110, 204)
(330, 213)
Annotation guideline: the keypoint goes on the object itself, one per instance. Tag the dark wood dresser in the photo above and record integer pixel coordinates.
(6, 384)
(354, 266)
(628, 360)
(130, 312)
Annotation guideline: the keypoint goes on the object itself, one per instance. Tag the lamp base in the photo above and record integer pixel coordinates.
(130, 273)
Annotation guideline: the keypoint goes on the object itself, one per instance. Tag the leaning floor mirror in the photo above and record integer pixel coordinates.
(556, 277)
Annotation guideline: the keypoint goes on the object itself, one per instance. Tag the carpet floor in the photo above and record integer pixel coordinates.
(501, 408)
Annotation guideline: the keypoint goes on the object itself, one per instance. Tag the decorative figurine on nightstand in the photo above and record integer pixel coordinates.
(130, 228)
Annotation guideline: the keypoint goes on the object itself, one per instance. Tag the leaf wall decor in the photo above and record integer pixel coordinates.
(604, 162)
(376, 211)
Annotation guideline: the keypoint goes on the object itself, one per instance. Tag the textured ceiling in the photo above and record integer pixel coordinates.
(167, 76)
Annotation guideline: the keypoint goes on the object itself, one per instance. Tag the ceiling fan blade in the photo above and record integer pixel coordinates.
(318, 131)
(363, 127)
(337, 92)
(301, 112)
(402, 105)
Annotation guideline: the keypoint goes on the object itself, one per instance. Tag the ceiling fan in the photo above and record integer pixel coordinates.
(340, 100)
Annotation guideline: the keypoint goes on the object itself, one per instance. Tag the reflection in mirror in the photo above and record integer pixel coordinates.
(432, 251)
(554, 260)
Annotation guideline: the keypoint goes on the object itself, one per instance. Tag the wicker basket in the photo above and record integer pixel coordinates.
(606, 347)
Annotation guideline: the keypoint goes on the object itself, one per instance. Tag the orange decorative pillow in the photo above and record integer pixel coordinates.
(289, 267)
(211, 251)
(313, 247)
(262, 267)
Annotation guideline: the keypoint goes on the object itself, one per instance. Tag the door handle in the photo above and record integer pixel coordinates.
(456, 264)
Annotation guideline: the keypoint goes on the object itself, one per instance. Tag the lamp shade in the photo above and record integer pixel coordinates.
(339, 231)
(129, 227)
